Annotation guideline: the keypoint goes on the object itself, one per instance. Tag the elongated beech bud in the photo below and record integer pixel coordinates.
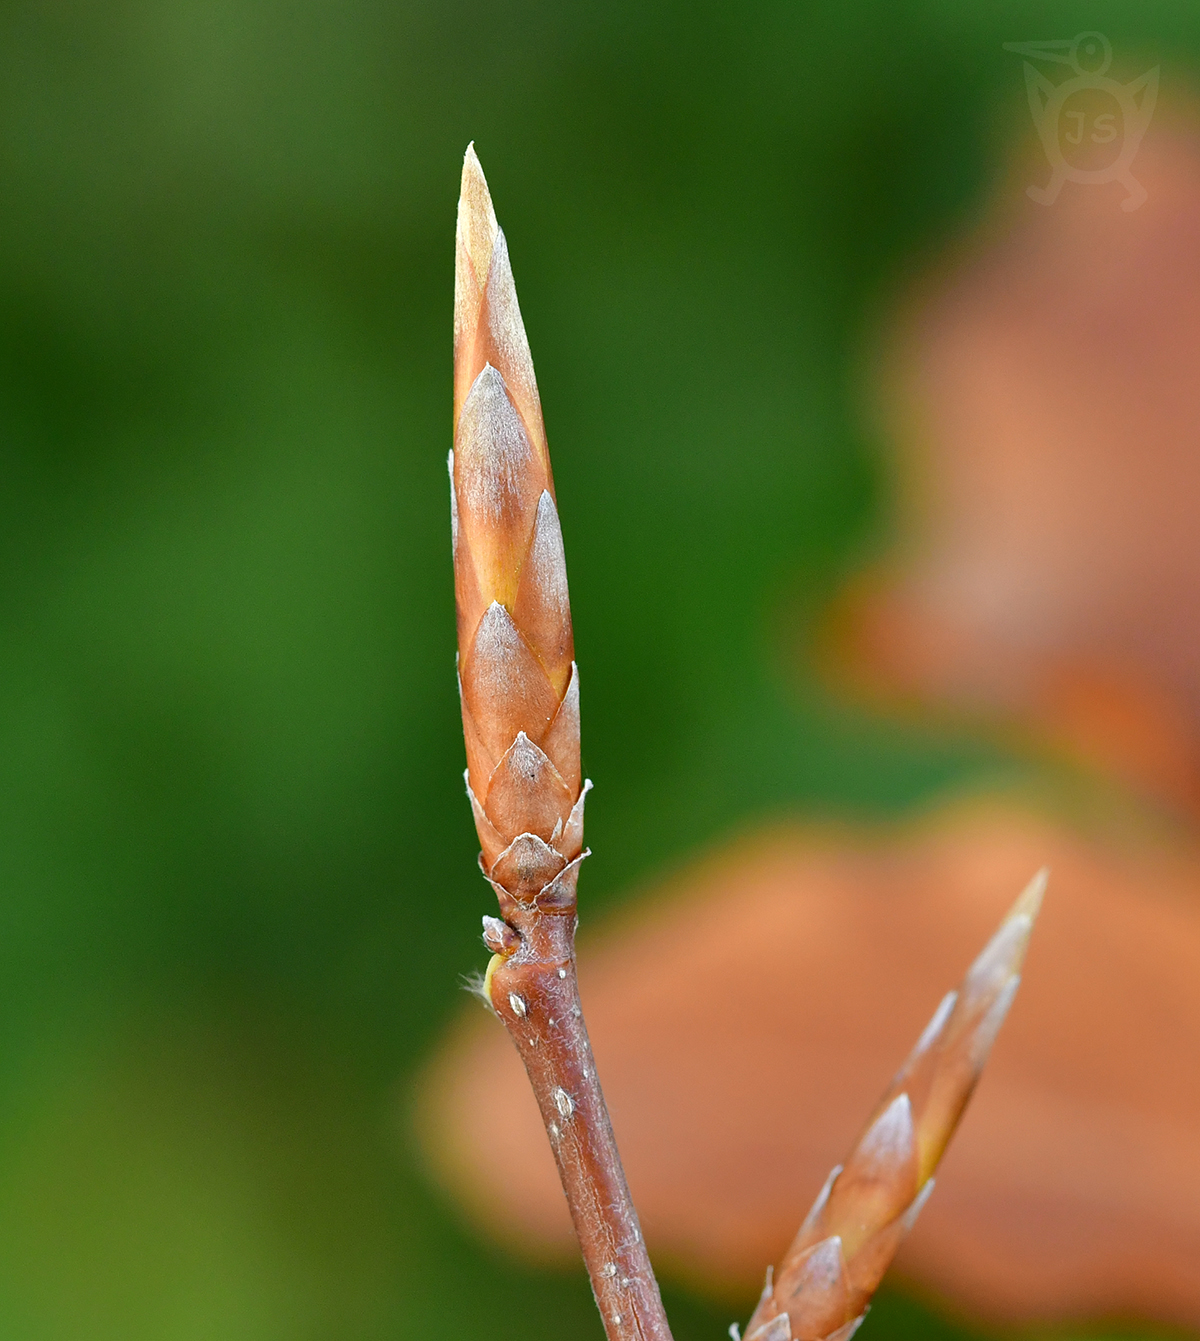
(823, 1286)
(517, 677)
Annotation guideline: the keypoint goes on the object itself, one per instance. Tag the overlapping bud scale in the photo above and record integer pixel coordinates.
(836, 1261)
(517, 677)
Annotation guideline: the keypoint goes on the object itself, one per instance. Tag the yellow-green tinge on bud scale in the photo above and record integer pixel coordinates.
(517, 677)
(836, 1261)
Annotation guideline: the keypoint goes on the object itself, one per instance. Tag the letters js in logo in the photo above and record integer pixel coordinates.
(1077, 118)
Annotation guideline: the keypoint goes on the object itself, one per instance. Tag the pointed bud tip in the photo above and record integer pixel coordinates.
(1004, 954)
(1030, 902)
(477, 224)
(472, 174)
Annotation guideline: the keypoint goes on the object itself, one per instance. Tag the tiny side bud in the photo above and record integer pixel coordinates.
(499, 937)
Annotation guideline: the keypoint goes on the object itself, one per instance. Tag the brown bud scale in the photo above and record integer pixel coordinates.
(518, 680)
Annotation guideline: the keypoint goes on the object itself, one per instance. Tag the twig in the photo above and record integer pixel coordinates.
(520, 703)
(836, 1261)
(534, 992)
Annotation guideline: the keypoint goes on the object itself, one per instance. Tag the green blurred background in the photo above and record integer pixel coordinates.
(237, 879)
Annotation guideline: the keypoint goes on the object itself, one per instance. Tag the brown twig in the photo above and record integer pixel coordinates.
(534, 991)
(520, 703)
